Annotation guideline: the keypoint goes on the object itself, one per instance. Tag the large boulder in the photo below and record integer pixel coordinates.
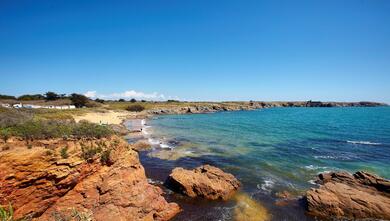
(42, 185)
(343, 195)
(205, 181)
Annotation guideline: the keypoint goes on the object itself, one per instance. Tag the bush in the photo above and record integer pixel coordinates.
(64, 153)
(133, 100)
(79, 100)
(135, 108)
(45, 129)
(105, 158)
(12, 117)
(87, 153)
(5, 134)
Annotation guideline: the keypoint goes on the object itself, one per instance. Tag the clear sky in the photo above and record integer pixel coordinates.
(330, 50)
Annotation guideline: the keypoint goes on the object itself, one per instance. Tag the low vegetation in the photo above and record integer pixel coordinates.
(135, 108)
(7, 214)
(29, 125)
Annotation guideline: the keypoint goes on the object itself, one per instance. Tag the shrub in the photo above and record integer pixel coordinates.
(6, 147)
(11, 117)
(5, 134)
(86, 129)
(29, 146)
(7, 215)
(87, 153)
(64, 153)
(133, 100)
(44, 129)
(105, 158)
(135, 108)
(78, 100)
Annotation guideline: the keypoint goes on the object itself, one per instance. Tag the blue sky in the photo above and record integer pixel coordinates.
(198, 50)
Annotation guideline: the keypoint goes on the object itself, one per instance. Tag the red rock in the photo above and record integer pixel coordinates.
(343, 195)
(44, 187)
(205, 181)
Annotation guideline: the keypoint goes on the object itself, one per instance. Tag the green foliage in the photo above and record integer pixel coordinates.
(6, 215)
(51, 96)
(31, 97)
(11, 117)
(105, 158)
(45, 129)
(121, 100)
(5, 134)
(64, 153)
(87, 153)
(3, 96)
(135, 108)
(99, 100)
(133, 100)
(79, 100)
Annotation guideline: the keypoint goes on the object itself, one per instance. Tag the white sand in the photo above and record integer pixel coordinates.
(109, 117)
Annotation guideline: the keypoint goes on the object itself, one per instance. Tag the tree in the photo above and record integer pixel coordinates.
(30, 97)
(133, 100)
(51, 96)
(78, 100)
(99, 100)
(121, 100)
(3, 96)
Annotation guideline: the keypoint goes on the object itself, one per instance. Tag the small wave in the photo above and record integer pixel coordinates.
(151, 181)
(165, 146)
(143, 122)
(267, 185)
(340, 157)
(362, 142)
(153, 141)
(313, 167)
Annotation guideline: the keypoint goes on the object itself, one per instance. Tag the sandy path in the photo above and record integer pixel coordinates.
(109, 117)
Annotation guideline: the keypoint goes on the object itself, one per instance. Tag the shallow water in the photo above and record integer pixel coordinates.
(269, 151)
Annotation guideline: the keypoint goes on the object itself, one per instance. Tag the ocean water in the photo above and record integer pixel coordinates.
(269, 151)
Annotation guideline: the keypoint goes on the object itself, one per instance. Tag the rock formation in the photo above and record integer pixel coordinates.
(205, 181)
(42, 185)
(343, 195)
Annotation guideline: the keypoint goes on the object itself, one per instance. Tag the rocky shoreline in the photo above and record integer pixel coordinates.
(42, 185)
(253, 105)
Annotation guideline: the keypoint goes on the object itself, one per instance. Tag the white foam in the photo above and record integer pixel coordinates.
(165, 146)
(143, 122)
(362, 142)
(313, 167)
(153, 141)
(267, 185)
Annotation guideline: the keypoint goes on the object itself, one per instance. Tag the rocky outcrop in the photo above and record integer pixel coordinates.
(43, 183)
(205, 181)
(210, 107)
(343, 195)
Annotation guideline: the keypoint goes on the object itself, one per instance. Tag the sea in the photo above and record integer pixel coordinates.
(274, 152)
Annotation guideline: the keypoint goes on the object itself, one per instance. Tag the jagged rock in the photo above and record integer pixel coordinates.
(43, 186)
(205, 181)
(343, 195)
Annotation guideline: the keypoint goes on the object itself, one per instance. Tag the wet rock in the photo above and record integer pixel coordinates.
(205, 181)
(343, 195)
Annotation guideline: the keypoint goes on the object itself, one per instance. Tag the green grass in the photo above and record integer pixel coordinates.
(7, 214)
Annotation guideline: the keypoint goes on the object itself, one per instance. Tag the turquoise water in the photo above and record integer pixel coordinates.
(276, 149)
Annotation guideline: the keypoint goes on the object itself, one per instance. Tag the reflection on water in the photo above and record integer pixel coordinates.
(247, 209)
